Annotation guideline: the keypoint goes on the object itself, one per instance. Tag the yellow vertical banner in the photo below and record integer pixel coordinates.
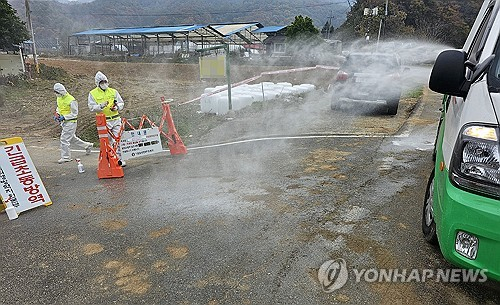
(213, 66)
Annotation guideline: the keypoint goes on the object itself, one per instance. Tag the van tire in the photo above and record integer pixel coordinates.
(392, 107)
(428, 223)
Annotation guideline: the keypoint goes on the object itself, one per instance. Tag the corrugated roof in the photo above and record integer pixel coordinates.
(237, 33)
(228, 29)
(141, 30)
(270, 29)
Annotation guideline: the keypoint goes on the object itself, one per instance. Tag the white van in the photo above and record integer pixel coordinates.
(462, 203)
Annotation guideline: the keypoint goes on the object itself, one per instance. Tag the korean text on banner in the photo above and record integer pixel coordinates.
(140, 142)
(19, 181)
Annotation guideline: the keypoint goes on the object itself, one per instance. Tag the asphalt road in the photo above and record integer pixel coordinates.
(248, 216)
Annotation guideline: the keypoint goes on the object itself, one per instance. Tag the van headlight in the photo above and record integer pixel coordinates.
(476, 160)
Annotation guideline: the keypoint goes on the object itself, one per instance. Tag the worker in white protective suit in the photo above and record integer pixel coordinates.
(66, 114)
(104, 99)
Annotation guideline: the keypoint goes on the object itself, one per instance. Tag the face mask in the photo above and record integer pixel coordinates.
(103, 86)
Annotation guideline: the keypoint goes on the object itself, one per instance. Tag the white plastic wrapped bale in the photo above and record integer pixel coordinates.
(222, 103)
(308, 87)
(254, 87)
(241, 88)
(240, 100)
(217, 88)
(255, 94)
(289, 90)
(303, 88)
(285, 84)
(244, 95)
(204, 103)
(209, 103)
(270, 94)
(268, 84)
(269, 90)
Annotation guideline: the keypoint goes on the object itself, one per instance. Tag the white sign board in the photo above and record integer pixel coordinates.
(140, 142)
(20, 183)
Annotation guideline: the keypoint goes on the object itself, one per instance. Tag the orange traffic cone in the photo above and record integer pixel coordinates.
(108, 160)
(176, 146)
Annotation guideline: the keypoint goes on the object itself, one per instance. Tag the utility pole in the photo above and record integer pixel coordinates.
(382, 19)
(30, 28)
(329, 24)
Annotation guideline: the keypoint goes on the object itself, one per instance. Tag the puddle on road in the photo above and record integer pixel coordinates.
(421, 143)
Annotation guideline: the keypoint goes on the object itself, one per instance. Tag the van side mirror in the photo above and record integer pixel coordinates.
(448, 73)
(481, 68)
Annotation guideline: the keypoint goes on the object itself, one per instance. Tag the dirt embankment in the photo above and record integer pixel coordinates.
(27, 108)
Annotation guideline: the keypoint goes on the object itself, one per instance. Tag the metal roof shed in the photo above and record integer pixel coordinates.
(274, 39)
(101, 41)
(162, 39)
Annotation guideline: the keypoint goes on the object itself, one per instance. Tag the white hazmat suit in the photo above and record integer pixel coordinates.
(67, 113)
(113, 123)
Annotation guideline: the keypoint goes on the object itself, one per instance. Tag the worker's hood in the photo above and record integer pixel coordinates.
(59, 88)
(99, 77)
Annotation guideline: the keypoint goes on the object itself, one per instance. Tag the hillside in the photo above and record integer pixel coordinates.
(442, 21)
(53, 19)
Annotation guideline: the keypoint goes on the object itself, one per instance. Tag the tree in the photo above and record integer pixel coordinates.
(304, 42)
(12, 30)
(444, 21)
(363, 25)
(303, 29)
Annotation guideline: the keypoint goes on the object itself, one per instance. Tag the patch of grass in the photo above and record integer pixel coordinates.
(192, 125)
(414, 93)
(88, 133)
(13, 80)
(52, 73)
